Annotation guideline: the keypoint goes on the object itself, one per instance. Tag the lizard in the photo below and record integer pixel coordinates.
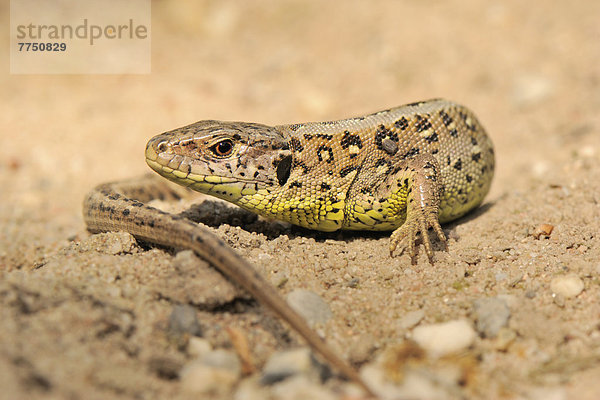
(406, 170)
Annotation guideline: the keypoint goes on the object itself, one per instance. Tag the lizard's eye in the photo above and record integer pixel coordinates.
(222, 148)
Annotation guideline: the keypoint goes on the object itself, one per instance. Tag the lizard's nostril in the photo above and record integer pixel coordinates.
(162, 146)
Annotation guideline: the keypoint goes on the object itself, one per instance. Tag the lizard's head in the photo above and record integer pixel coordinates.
(223, 159)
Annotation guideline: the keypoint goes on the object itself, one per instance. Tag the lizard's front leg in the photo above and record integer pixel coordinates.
(418, 185)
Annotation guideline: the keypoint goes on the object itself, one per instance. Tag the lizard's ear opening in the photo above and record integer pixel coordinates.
(283, 169)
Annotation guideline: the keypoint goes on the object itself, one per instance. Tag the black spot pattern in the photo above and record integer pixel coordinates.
(446, 119)
(324, 136)
(328, 149)
(296, 145)
(432, 138)
(458, 165)
(422, 124)
(346, 170)
(350, 139)
(401, 124)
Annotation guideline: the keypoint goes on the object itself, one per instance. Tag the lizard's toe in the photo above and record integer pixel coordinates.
(407, 235)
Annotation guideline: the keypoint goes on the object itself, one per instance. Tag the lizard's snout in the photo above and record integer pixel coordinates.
(158, 153)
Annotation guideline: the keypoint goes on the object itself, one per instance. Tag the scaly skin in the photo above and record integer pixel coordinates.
(405, 169)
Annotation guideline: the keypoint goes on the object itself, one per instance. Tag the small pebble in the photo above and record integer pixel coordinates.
(287, 363)
(184, 320)
(491, 315)
(310, 306)
(123, 243)
(567, 286)
(445, 338)
(112, 243)
(222, 359)
(215, 372)
(202, 379)
(198, 346)
(543, 231)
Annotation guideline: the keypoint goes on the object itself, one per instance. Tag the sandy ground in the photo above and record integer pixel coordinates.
(85, 316)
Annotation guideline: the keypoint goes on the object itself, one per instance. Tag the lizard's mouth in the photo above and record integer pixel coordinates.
(196, 175)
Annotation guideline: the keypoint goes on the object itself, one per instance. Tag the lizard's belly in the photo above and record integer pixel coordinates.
(307, 212)
(384, 216)
(330, 214)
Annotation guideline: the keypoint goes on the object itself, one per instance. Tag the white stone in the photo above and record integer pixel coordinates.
(198, 346)
(445, 338)
(216, 371)
(310, 305)
(567, 286)
(197, 377)
(222, 359)
(287, 363)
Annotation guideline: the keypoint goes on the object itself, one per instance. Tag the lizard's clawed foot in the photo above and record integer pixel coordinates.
(407, 235)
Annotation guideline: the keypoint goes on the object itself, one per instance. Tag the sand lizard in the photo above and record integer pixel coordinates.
(405, 170)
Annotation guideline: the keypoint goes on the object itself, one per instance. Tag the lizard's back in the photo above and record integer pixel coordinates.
(346, 165)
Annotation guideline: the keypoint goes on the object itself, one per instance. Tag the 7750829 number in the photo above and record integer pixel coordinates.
(34, 46)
